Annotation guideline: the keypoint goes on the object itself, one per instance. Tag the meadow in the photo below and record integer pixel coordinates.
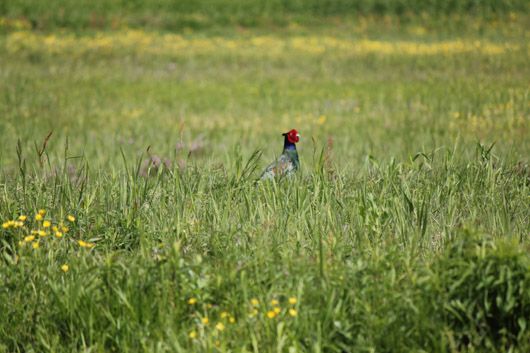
(131, 143)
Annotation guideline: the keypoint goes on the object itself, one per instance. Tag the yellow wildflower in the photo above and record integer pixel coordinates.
(277, 310)
(55, 229)
(253, 313)
(254, 302)
(38, 217)
(65, 229)
(65, 268)
(274, 302)
(205, 321)
(84, 244)
(271, 314)
(42, 233)
(42, 212)
(232, 320)
(192, 301)
(220, 326)
(35, 245)
(224, 314)
(293, 312)
(22, 218)
(192, 334)
(29, 238)
(5, 225)
(46, 224)
(70, 218)
(18, 224)
(292, 300)
(58, 234)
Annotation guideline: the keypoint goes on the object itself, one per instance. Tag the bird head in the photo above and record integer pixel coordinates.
(292, 136)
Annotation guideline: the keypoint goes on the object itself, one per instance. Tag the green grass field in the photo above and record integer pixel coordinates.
(406, 230)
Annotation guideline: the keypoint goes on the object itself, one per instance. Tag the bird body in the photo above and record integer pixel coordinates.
(288, 162)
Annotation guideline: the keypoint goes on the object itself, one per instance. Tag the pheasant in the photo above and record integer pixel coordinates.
(287, 163)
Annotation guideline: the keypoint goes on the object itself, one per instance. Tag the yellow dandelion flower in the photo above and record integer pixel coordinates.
(38, 217)
(55, 229)
(5, 225)
(277, 310)
(293, 312)
(254, 302)
(70, 218)
(84, 244)
(29, 238)
(232, 320)
(293, 300)
(58, 234)
(42, 212)
(205, 321)
(22, 218)
(192, 301)
(271, 314)
(192, 334)
(42, 233)
(220, 326)
(274, 302)
(65, 268)
(19, 224)
(224, 314)
(65, 229)
(46, 224)
(35, 245)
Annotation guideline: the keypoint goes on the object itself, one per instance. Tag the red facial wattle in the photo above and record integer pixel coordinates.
(293, 136)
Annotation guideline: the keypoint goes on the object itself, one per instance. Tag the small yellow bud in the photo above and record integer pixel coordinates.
(22, 218)
(192, 301)
(254, 302)
(70, 218)
(293, 312)
(192, 334)
(65, 268)
(274, 302)
(271, 314)
(38, 217)
(205, 320)
(220, 326)
(277, 310)
(35, 245)
(46, 224)
(292, 300)
(29, 238)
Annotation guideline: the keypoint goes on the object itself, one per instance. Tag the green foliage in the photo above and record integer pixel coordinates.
(484, 295)
(178, 14)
